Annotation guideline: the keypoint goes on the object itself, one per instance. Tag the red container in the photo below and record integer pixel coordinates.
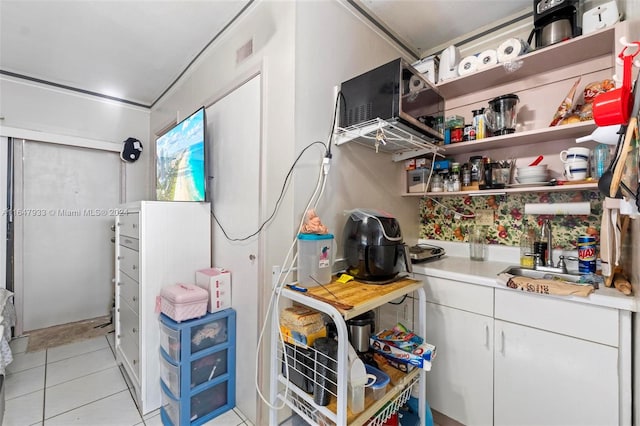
(614, 107)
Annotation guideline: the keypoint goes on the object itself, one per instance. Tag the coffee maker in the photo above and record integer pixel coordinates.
(555, 21)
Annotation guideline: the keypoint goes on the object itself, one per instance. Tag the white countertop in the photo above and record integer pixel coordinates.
(456, 265)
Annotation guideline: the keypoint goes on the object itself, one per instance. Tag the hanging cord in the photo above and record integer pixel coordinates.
(274, 300)
(285, 184)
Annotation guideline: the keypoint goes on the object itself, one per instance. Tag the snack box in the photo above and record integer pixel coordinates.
(217, 283)
(421, 356)
(182, 302)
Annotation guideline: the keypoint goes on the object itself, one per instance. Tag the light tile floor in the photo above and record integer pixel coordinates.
(77, 384)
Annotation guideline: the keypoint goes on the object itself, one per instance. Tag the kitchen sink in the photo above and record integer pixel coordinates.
(532, 273)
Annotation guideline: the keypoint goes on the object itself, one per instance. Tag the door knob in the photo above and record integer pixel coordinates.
(252, 257)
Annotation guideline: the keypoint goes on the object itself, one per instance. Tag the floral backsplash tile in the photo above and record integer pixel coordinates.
(445, 218)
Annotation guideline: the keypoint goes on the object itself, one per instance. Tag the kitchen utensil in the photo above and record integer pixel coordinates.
(605, 134)
(536, 161)
(360, 329)
(501, 114)
(574, 154)
(614, 107)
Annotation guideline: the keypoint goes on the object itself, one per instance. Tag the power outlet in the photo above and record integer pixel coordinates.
(484, 217)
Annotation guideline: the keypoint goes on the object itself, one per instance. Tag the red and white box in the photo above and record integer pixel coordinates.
(217, 282)
(182, 302)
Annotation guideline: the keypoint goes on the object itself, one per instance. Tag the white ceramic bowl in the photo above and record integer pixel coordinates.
(532, 170)
(532, 179)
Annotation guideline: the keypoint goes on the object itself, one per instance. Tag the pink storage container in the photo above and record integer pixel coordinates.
(182, 302)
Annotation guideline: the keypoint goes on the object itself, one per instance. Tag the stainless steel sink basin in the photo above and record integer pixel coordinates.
(532, 273)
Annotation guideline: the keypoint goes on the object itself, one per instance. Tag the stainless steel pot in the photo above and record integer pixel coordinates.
(360, 329)
(555, 32)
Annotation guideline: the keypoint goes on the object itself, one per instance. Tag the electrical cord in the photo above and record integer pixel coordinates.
(274, 300)
(333, 122)
(278, 201)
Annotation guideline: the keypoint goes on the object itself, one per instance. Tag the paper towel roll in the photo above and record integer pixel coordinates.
(468, 65)
(487, 58)
(415, 84)
(580, 209)
(511, 48)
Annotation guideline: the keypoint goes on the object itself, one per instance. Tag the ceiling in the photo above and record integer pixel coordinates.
(135, 50)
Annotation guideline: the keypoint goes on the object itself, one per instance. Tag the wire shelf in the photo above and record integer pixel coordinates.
(387, 137)
(393, 406)
(301, 374)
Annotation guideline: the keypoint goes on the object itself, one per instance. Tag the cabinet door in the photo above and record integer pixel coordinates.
(460, 385)
(552, 379)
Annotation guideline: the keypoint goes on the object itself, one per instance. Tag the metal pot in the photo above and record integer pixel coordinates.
(360, 329)
(555, 32)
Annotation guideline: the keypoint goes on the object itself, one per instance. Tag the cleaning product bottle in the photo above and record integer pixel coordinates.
(527, 239)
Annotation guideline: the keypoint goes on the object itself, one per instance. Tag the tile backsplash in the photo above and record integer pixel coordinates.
(445, 218)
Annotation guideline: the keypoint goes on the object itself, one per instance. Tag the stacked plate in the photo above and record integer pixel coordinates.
(533, 174)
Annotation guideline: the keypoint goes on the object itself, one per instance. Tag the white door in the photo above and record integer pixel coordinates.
(461, 382)
(543, 378)
(233, 128)
(63, 249)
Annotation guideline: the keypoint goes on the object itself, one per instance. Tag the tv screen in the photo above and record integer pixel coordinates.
(180, 161)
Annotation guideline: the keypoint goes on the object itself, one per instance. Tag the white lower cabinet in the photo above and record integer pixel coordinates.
(461, 383)
(507, 358)
(544, 378)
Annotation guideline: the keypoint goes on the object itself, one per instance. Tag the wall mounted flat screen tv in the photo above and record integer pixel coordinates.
(180, 161)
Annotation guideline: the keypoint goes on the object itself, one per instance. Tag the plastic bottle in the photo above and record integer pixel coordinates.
(527, 239)
(600, 159)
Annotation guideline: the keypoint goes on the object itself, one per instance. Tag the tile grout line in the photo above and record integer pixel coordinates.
(83, 405)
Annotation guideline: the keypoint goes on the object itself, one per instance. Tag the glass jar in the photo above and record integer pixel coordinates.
(436, 183)
(528, 238)
(477, 240)
(475, 163)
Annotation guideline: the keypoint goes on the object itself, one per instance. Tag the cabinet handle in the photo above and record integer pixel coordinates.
(135, 226)
(135, 298)
(502, 342)
(118, 283)
(134, 267)
(133, 329)
(135, 361)
(486, 335)
(118, 336)
(120, 257)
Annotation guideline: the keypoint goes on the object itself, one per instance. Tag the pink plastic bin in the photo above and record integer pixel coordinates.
(182, 302)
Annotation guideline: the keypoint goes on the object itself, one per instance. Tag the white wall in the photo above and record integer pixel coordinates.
(271, 27)
(333, 44)
(303, 50)
(66, 114)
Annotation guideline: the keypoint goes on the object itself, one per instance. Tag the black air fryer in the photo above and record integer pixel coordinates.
(373, 247)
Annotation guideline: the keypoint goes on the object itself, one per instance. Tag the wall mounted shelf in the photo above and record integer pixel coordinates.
(386, 137)
(557, 188)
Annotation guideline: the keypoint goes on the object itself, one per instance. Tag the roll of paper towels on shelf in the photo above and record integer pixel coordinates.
(487, 59)
(468, 65)
(415, 84)
(511, 48)
(578, 209)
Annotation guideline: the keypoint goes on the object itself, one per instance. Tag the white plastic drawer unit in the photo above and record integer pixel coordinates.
(129, 225)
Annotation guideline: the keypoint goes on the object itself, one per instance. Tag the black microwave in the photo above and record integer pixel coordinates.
(397, 93)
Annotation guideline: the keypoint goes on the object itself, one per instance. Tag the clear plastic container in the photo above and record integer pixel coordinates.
(379, 387)
(527, 240)
(315, 259)
(356, 398)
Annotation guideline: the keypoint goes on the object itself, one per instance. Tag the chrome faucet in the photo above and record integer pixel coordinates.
(546, 264)
(548, 234)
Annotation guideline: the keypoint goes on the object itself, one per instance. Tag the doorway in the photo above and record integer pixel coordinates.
(64, 257)
(234, 146)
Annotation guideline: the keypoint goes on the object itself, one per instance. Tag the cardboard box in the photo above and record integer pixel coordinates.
(420, 357)
(217, 282)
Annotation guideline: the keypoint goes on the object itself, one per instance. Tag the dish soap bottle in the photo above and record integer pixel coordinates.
(527, 240)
